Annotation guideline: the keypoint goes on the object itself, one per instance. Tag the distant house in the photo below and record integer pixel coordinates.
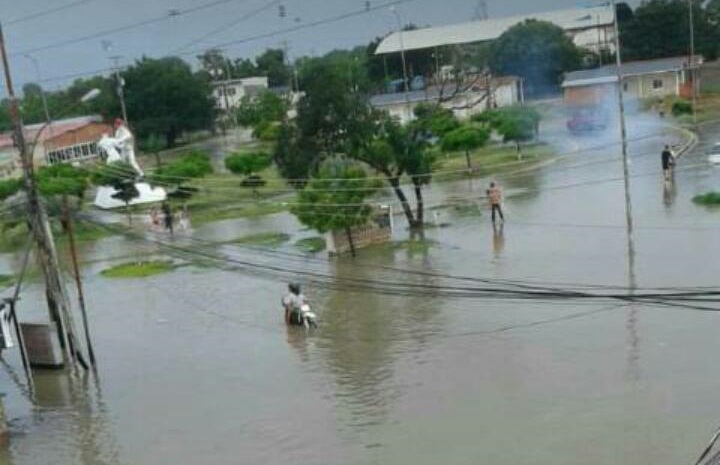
(72, 140)
(228, 94)
(640, 80)
(473, 99)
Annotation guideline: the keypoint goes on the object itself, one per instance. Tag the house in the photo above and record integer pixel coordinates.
(589, 28)
(229, 93)
(640, 80)
(471, 98)
(72, 140)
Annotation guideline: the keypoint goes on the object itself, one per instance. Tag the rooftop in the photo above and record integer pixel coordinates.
(255, 80)
(481, 31)
(57, 128)
(608, 74)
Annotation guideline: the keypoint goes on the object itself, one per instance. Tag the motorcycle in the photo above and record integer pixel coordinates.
(309, 319)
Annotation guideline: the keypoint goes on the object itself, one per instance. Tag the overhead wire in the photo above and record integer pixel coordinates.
(47, 12)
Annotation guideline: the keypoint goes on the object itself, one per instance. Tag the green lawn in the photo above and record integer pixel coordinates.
(139, 269)
(311, 244)
(489, 160)
(6, 280)
(267, 239)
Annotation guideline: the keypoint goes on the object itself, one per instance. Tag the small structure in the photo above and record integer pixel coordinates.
(379, 229)
(72, 140)
(590, 28)
(640, 80)
(229, 93)
(472, 99)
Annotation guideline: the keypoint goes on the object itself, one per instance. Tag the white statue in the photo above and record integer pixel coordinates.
(121, 147)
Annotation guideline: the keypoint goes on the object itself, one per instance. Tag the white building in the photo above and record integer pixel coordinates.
(590, 28)
(504, 91)
(229, 93)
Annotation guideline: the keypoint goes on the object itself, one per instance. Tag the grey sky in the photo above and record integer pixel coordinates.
(163, 37)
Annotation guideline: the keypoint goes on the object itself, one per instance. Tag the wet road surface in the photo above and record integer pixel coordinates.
(197, 367)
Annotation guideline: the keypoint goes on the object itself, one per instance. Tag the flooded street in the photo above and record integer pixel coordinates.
(197, 366)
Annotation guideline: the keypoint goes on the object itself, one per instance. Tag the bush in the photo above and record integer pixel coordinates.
(195, 164)
(247, 163)
(681, 107)
(710, 199)
(9, 187)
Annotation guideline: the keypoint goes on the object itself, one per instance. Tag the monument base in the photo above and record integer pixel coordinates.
(148, 194)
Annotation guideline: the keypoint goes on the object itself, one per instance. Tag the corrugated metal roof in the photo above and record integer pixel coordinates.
(57, 128)
(481, 31)
(608, 74)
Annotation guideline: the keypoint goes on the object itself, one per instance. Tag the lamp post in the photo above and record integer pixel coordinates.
(42, 91)
(693, 70)
(402, 57)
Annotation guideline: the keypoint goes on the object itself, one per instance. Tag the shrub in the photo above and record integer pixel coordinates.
(710, 198)
(681, 107)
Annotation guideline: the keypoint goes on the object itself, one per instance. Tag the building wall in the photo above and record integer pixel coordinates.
(73, 146)
(236, 91)
(589, 95)
(595, 39)
(655, 85)
(463, 106)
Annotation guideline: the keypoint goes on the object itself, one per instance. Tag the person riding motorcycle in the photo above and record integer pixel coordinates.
(292, 304)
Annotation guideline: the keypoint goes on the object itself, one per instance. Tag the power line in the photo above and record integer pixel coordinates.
(300, 27)
(126, 27)
(227, 26)
(47, 12)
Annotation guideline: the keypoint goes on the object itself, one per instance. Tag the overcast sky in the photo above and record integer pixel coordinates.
(165, 36)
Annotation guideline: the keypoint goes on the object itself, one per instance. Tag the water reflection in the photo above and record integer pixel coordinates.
(669, 192)
(498, 239)
(363, 335)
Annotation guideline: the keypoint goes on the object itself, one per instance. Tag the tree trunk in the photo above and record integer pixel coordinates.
(348, 233)
(158, 161)
(129, 213)
(420, 208)
(395, 183)
(467, 159)
(519, 150)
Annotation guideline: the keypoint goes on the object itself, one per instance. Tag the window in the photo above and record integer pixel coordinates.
(625, 87)
(73, 153)
(657, 84)
(231, 91)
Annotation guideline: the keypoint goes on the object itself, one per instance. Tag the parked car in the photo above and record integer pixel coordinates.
(587, 120)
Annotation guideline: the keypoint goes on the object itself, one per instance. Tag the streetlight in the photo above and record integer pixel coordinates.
(626, 162)
(693, 73)
(115, 59)
(42, 91)
(402, 56)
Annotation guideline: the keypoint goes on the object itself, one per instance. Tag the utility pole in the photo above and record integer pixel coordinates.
(40, 228)
(626, 162)
(693, 69)
(120, 86)
(404, 63)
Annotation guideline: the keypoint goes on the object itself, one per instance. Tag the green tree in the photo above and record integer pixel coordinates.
(435, 120)
(62, 179)
(154, 144)
(121, 176)
(249, 165)
(163, 96)
(465, 138)
(538, 51)
(660, 28)
(9, 187)
(272, 64)
(516, 124)
(334, 200)
(177, 174)
(266, 107)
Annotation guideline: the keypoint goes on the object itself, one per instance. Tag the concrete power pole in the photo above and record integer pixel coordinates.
(626, 161)
(58, 302)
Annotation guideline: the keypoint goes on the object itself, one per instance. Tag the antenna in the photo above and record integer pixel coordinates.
(481, 10)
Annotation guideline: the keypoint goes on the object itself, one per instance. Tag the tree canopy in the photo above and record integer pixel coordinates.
(661, 28)
(165, 97)
(62, 179)
(334, 200)
(537, 51)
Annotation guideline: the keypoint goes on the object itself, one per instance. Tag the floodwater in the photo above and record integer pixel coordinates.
(197, 366)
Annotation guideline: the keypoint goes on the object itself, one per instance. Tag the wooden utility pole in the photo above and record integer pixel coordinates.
(78, 279)
(40, 228)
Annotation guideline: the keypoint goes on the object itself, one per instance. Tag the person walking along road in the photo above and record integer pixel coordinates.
(494, 194)
(668, 161)
(168, 217)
